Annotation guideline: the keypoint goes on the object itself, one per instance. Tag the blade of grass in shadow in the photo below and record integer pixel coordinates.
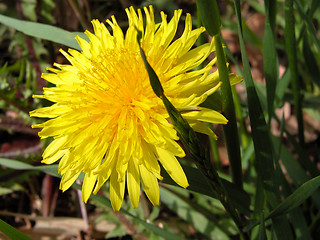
(295, 171)
(210, 16)
(296, 198)
(259, 128)
(295, 216)
(291, 47)
(269, 55)
(261, 140)
(44, 31)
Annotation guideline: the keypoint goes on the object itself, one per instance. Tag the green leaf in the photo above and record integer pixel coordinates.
(11, 232)
(18, 165)
(44, 31)
(296, 198)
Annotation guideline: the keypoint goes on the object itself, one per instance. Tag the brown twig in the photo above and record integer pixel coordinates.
(16, 125)
(24, 152)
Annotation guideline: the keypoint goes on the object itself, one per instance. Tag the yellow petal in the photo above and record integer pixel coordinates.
(234, 79)
(173, 167)
(88, 184)
(150, 185)
(133, 183)
(68, 179)
(202, 128)
(54, 147)
(53, 158)
(116, 191)
(206, 115)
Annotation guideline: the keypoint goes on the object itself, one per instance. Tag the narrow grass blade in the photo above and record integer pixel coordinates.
(296, 198)
(269, 54)
(293, 65)
(11, 232)
(43, 31)
(231, 129)
(260, 133)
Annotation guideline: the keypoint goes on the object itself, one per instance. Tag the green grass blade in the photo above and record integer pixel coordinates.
(231, 129)
(260, 133)
(11, 232)
(269, 54)
(296, 198)
(293, 65)
(43, 31)
(295, 171)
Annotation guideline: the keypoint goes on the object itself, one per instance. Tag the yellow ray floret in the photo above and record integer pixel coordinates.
(105, 119)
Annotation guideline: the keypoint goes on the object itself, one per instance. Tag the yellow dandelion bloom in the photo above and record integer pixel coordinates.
(107, 122)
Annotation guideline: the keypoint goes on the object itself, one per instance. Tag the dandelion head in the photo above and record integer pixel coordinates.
(105, 119)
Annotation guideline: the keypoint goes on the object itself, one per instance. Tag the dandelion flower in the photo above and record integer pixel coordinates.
(105, 119)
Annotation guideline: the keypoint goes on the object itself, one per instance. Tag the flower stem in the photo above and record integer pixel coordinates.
(193, 146)
(209, 13)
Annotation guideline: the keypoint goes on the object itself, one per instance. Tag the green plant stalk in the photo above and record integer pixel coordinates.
(293, 67)
(201, 158)
(213, 142)
(231, 129)
(193, 145)
(209, 13)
